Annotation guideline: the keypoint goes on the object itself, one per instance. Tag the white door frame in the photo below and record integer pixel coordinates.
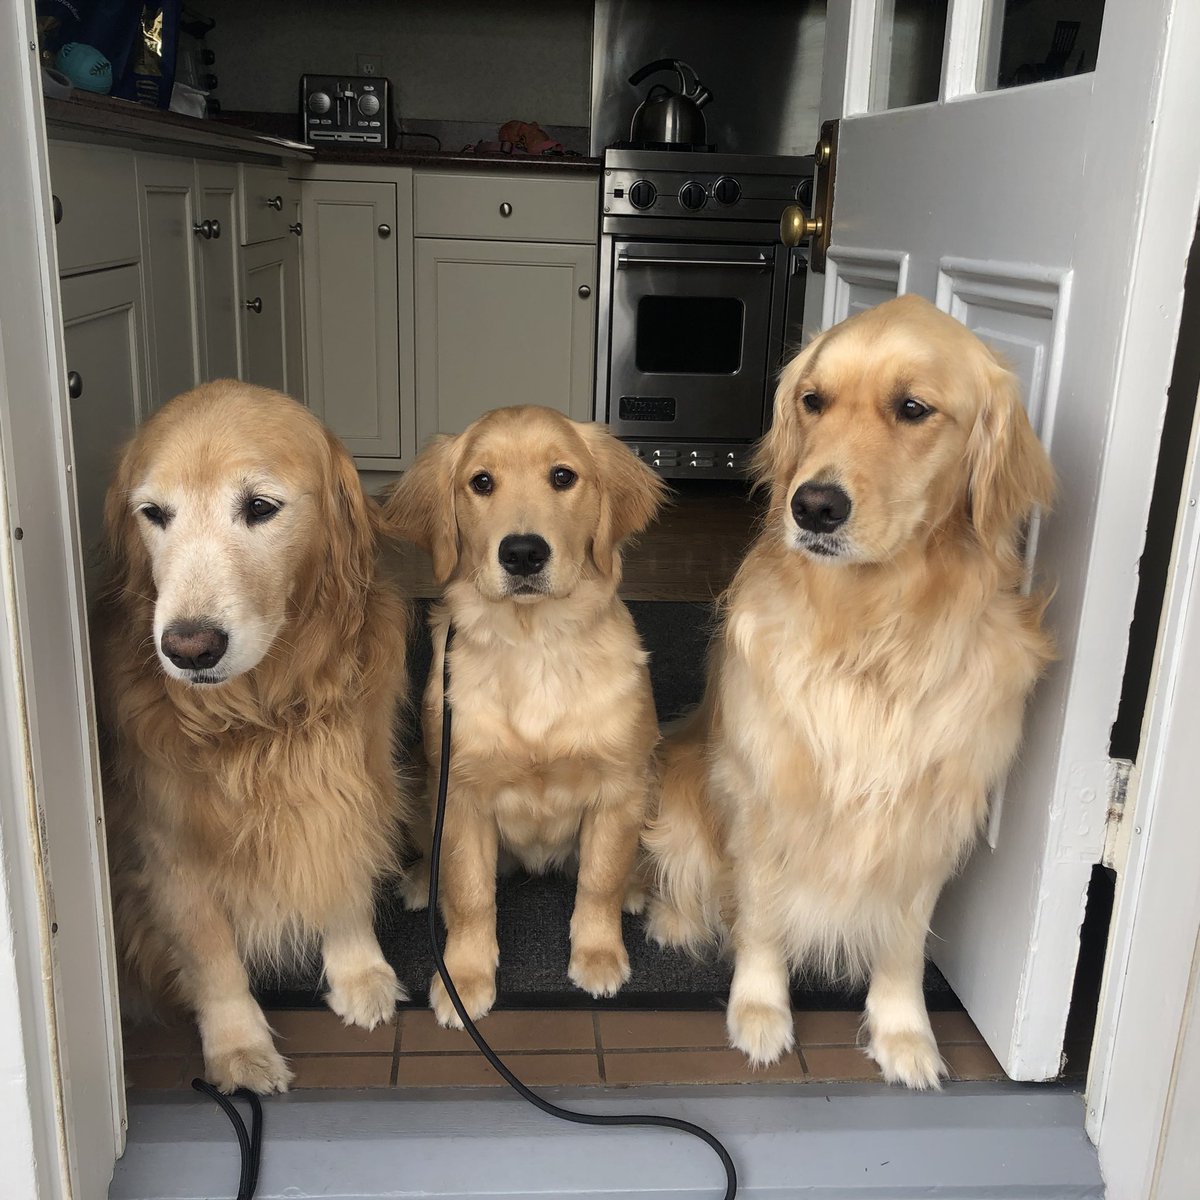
(61, 1088)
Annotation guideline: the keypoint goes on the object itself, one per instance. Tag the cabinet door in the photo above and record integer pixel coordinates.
(502, 323)
(264, 315)
(217, 201)
(293, 286)
(351, 311)
(170, 272)
(102, 335)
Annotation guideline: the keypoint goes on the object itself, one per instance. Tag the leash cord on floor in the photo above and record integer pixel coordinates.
(526, 1093)
(249, 1144)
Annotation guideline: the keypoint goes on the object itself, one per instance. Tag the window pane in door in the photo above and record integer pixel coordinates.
(906, 55)
(1028, 41)
(689, 335)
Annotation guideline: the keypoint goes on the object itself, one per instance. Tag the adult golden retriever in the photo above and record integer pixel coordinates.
(554, 728)
(867, 686)
(248, 667)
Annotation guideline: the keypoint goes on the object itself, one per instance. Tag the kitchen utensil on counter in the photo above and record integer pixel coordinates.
(669, 117)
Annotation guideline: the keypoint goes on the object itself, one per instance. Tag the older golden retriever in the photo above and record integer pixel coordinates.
(248, 666)
(867, 687)
(554, 727)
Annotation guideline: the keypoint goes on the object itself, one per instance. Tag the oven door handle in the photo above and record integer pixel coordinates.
(625, 259)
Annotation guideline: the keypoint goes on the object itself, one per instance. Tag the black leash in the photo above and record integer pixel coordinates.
(249, 1144)
(526, 1093)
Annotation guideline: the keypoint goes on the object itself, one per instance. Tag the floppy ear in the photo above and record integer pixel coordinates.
(351, 525)
(421, 507)
(630, 494)
(1008, 471)
(126, 563)
(779, 450)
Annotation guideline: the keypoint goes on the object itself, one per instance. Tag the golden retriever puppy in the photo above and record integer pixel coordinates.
(867, 686)
(553, 718)
(248, 667)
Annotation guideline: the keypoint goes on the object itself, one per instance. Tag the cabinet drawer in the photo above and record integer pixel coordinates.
(262, 188)
(539, 209)
(96, 211)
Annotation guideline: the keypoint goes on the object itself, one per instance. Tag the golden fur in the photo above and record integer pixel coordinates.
(867, 686)
(554, 728)
(249, 817)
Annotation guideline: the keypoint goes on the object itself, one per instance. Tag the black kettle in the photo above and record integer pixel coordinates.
(667, 116)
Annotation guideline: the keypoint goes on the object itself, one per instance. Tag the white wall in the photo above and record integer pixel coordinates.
(454, 60)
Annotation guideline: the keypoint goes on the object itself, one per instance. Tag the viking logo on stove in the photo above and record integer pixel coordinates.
(647, 408)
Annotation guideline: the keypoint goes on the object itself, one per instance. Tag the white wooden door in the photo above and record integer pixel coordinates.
(268, 327)
(220, 282)
(502, 323)
(1017, 209)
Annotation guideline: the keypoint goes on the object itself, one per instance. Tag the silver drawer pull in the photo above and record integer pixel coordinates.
(255, 305)
(275, 202)
(506, 209)
(74, 384)
(642, 260)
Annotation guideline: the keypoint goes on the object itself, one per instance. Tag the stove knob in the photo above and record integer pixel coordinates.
(692, 196)
(368, 104)
(642, 194)
(727, 190)
(319, 102)
(804, 194)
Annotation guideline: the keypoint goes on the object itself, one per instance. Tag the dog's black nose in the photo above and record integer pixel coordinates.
(193, 646)
(523, 553)
(820, 507)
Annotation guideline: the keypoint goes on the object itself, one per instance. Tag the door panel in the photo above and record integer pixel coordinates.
(1001, 207)
(477, 303)
(217, 201)
(351, 311)
(166, 200)
(265, 315)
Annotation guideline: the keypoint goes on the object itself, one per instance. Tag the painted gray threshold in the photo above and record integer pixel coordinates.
(972, 1141)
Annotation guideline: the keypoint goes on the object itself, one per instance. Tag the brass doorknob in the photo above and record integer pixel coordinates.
(795, 226)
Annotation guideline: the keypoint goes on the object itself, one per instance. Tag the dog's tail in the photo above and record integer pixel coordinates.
(684, 841)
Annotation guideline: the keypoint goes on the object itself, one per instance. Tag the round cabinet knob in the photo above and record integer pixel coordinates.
(275, 202)
(642, 194)
(74, 384)
(57, 205)
(255, 305)
(319, 102)
(203, 229)
(795, 226)
(727, 190)
(216, 227)
(385, 231)
(506, 209)
(584, 291)
(368, 104)
(692, 195)
(297, 229)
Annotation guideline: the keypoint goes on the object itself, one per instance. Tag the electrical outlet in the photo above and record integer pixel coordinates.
(370, 64)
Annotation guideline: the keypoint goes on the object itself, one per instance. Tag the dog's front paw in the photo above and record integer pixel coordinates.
(259, 1067)
(367, 997)
(476, 989)
(762, 1032)
(599, 970)
(414, 886)
(909, 1057)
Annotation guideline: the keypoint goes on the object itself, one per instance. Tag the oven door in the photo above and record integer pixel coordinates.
(691, 328)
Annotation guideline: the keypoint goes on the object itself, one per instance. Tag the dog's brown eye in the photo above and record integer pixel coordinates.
(812, 402)
(482, 484)
(155, 515)
(912, 410)
(562, 478)
(260, 509)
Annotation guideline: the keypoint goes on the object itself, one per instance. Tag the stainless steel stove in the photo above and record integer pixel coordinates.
(699, 302)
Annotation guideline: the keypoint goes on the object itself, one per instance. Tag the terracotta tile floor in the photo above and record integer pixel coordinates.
(548, 1049)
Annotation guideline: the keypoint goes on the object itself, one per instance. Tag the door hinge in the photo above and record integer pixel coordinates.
(1116, 833)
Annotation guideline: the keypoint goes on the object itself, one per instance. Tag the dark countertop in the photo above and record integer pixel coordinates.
(574, 163)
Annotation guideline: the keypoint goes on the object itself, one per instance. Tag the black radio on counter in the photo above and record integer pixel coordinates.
(345, 109)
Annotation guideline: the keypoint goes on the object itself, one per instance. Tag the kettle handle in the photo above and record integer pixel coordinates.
(659, 64)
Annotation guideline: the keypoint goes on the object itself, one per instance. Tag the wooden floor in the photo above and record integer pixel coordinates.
(689, 553)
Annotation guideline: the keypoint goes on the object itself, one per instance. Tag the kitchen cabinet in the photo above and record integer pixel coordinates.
(356, 248)
(188, 214)
(505, 296)
(502, 323)
(106, 381)
(271, 325)
(95, 206)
